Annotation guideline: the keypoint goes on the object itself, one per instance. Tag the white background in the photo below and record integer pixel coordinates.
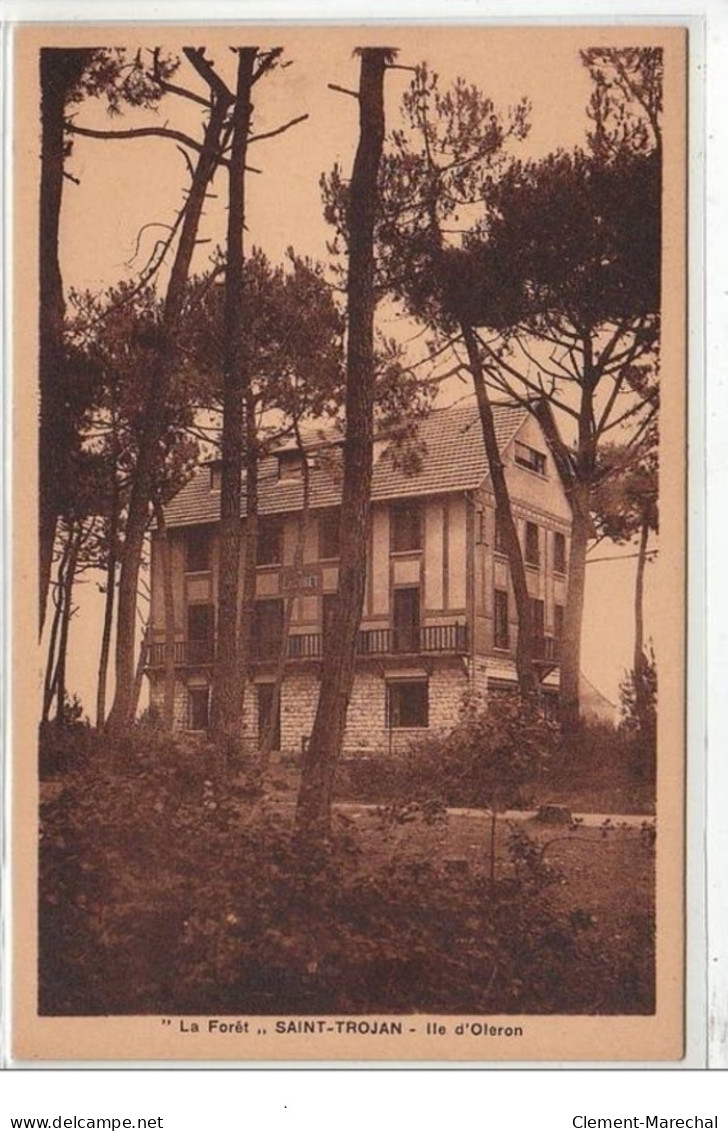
(510, 1098)
(362, 1100)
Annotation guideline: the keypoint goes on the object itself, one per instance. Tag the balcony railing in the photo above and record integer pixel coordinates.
(433, 639)
(546, 648)
(412, 640)
(185, 652)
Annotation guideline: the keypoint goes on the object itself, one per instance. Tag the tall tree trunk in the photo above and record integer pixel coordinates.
(527, 681)
(60, 70)
(106, 640)
(165, 557)
(122, 712)
(581, 527)
(313, 811)
(577, 470)
(639, 591)
(266, 744)
(639, 663)
(570, 646)
(226, 701)
(49, 684)
(139, 670)
(76, 540)
(110, 573)
(250, 554)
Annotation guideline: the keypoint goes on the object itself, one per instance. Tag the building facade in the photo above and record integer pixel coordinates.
(439, 617)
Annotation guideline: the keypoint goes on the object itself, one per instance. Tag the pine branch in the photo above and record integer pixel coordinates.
(343, 90)
(172, 88)
(268, 60)
(280, 130)
(142, 131)
(204, 68)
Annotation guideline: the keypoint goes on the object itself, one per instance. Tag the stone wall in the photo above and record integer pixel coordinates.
(366, 730)
(156, 700)
(366, 726)
(298, 707)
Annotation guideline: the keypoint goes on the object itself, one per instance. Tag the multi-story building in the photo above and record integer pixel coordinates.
(439, 616)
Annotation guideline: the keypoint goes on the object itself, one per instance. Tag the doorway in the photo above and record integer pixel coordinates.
(406, 619)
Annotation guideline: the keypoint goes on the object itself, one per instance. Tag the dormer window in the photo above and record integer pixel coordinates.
(215, 476)
(529, 458)
(290, 465)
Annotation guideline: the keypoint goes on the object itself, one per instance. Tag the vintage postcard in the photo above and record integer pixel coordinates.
(349, 474)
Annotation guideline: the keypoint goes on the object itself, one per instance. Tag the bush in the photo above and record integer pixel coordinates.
(63, 749)
(638, 700)
(374, 779)
(594, 769)
(161, 893)
(487, 761)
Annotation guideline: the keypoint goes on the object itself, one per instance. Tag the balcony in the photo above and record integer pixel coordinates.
(546, 655)
(546, 650)
(187, 653)
(433, 640)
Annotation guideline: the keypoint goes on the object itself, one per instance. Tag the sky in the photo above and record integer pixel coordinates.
(126, 186)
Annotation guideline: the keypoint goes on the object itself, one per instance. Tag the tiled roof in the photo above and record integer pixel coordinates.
(452, 459)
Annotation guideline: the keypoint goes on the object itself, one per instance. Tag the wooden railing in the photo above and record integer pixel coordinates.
(546, 648)
(433, 639)
(189, 652)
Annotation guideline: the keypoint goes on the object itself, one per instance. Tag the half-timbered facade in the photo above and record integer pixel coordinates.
(439, 617)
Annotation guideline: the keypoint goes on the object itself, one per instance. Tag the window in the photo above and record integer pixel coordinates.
(532, 554)
(500, 615)
(550, 704)
(290, 465)
(559, 552)
(329, 604)
(407, 704)
(267, 631)
(269, 550)
(500, 541)
(530, 458)
(537, 617)
(558, 621)
(329, 534)
(480, 538)
(200, 633)
(198, 708)
(197, 549)
(406, 527)
(215, 476)
(200, 622)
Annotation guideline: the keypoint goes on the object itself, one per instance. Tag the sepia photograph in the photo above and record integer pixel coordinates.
(349, 397)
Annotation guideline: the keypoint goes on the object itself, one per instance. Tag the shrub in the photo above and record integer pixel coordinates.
(486, 760)
(162, 891)
(63, 748)
(594, 769)
(153, 901)
(638, 700)
(374, 779)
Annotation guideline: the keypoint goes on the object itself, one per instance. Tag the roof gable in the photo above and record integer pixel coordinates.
(453, 459)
